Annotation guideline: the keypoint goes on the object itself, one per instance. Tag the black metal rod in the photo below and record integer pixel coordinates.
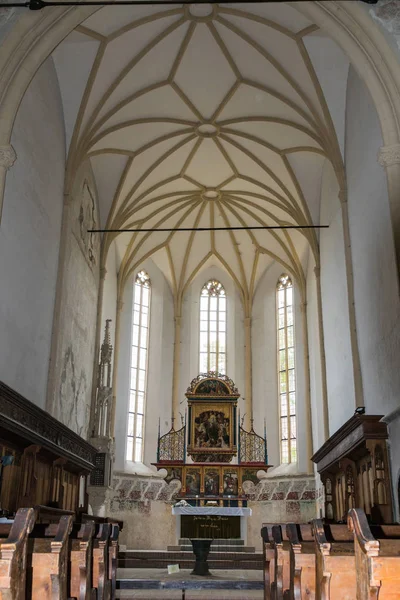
(40, 4)
(208, 228)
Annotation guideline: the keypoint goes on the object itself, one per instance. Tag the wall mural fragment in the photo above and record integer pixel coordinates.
(86, 220)
(73, 390)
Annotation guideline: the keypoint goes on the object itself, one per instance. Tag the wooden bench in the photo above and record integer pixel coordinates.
(302, 562)
(101, 579)
(281, 583)
(13, 552)
(47, 562)
(81, 562)
(335, 562)
(269, 561)
(113, 558)
(377, 561)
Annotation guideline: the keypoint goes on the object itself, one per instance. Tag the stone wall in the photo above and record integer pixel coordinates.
(30, 237)
(74, 328)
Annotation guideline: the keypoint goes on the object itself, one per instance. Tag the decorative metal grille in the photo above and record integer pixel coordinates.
(171, 446)
(253, 447)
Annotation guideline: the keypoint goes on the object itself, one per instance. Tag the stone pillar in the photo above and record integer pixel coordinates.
(248, 373)
(309, 440)
(325, 412)
(176, 368)
(389, 158)
(7, 159)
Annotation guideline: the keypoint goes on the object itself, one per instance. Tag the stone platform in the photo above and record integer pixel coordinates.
(224, 554)
(242, 582)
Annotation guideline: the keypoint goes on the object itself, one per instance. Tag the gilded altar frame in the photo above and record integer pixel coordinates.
(212, 432)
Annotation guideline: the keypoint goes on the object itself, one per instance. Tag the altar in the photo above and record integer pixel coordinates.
(212, 522)
(215, 459)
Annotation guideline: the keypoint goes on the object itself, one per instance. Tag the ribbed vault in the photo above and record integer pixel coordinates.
(201, 116)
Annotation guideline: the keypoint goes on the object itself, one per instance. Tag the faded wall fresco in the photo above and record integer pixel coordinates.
(70, 382)
(144, 504)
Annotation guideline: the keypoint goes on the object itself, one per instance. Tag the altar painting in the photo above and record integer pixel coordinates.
(230, 483)
(212, 427)
(173, 473)
(211, 482)
(192, 482)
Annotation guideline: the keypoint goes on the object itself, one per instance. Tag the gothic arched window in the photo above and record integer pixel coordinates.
(138, 376)
(286, 368)
(213, 327)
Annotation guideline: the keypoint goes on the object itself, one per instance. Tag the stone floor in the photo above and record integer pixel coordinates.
(217, 578)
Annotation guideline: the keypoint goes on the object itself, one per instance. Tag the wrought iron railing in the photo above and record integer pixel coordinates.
(252, 447)
(172, 445)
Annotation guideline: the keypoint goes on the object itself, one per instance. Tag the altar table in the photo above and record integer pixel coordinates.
(215, 522)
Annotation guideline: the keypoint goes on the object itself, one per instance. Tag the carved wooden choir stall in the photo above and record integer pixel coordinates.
(50, 548)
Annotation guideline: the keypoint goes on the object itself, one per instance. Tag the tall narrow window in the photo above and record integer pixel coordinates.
(287, 378)
(213, 327)
(138, 382)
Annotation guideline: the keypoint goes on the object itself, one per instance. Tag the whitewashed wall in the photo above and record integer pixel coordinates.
(74, 330)
(159, 376)
(375, 279)
(29, 237)
(264, 372)
(335, 306)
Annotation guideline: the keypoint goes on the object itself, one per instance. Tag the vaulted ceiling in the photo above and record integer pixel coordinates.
(205, 116)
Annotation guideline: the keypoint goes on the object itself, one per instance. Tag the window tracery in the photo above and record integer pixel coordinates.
(286, 369)
(139, 359)
(213, 327)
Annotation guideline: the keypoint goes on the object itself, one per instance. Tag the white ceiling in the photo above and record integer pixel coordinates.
(205, 116)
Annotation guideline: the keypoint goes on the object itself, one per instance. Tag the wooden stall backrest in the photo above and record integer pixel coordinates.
(335, 562)
(101, 580)
(48, 514)
(13, 551)
(48, 557)
(81, 562)
(281, 582)
(377, 560)
(269, 562)
(302, 562)
(113, 558)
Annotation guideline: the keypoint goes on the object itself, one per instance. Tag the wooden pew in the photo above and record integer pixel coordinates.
(302, 562)
(377, 561)
(269, 561)
(113, 559)
(81, 562)
(47, 563)
(113, 548)
(13, 552)
(335, 562)
(281, 584)
(101, 580)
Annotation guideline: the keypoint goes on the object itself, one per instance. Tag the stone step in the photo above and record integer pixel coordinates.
(190, 594)
(237, 561)
(185, 554)
(132, 579)
(214, 548)
(216, 542)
